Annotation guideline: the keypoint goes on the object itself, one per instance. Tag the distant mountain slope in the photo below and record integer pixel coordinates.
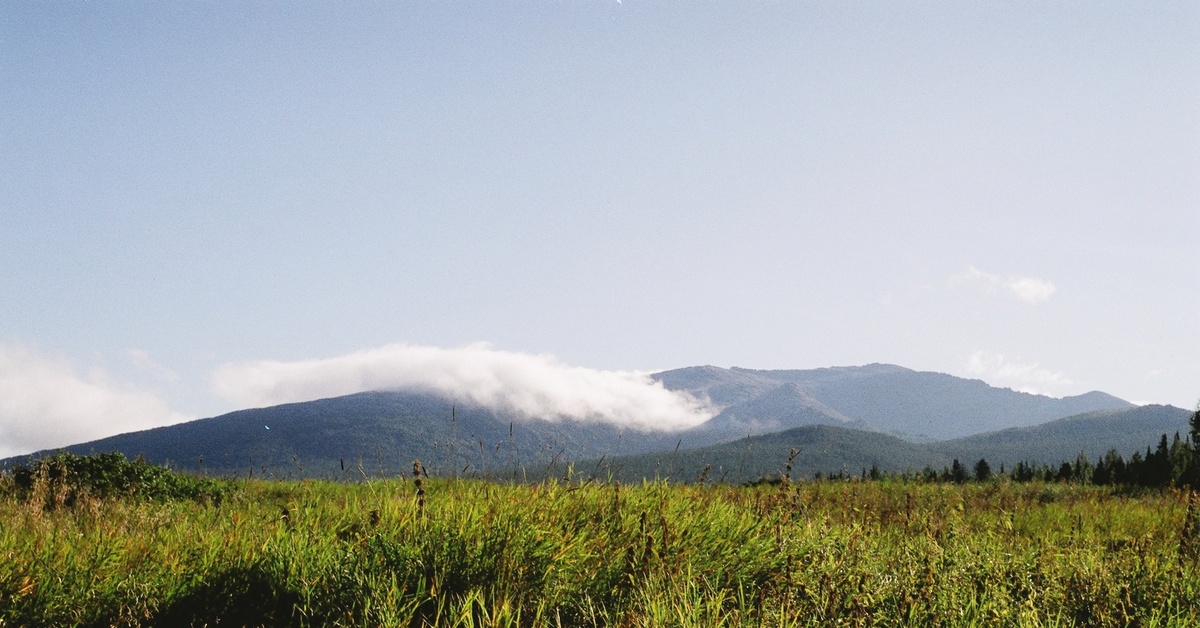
(1127, 431)
(821, 448)
(776, 409)
(724, 387)
(917, 405)
(386, 430)
(832, 449)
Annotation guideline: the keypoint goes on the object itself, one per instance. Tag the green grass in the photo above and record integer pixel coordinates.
(487, 554)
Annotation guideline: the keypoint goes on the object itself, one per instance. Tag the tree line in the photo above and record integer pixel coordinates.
(1173, 462)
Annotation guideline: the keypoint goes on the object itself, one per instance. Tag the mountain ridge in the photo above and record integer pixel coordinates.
(837, 449)
(387, 430)
(919, 405)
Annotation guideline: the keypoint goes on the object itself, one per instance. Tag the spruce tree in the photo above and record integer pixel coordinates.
(958, 472)
(983, 471)
(1192, 476)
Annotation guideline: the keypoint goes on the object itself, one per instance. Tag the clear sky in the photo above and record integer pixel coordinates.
(1003, 191)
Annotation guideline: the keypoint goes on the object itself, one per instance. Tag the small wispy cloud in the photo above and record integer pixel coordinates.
(48, 402)
(1030, 377)
(143, 363)
(1027, 289)
(534, 386)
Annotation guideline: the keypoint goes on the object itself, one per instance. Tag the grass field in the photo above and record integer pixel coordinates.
(473, 553)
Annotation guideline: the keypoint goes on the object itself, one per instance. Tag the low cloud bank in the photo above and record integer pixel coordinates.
(1028, 377)
(47, 402)
(534, 386)
(1027, 289)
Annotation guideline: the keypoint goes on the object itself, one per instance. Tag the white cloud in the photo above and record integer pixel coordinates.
(535, 386)
(46, 402)
(1028, 377)
(1031, 290)
(1027, 289)
(141, 360)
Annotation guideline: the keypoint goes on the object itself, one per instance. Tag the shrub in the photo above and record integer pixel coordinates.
(63, 478)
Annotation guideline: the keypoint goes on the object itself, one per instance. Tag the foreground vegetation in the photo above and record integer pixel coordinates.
(473, 553)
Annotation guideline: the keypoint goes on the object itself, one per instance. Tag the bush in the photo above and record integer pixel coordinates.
(7, 485)
(63, 478)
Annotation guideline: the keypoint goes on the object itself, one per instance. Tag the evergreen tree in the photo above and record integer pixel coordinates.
(1133, 470)
(1110, 469)
(1045, 473)
(1102, 474)
(1195, 425)
(1023, 472)
(1181, 458)
(1065, 472)
(958, 473)
(1192, 475)
(983, 472)
(1081, 471)
(1160, 466)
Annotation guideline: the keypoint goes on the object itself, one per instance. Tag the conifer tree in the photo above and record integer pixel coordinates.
(1192, 475)
(983, 471)
(1081, 471)
(958, 472)
(1180, 457)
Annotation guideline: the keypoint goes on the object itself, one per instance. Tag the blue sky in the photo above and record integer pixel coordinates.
(1005, 191)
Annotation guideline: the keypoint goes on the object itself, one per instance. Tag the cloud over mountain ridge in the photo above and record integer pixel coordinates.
(534, 386)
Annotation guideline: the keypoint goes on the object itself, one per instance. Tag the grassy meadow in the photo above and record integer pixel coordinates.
(476, 553)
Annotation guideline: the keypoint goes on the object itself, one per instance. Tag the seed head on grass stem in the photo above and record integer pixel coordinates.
(1189, 537)
(420, 483)
(787, 473)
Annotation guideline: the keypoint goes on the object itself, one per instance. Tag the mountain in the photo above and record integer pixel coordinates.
(773, 410)
(385, 431)
(820, 448)
(833, 449)
(916, 405)
(1094, 433)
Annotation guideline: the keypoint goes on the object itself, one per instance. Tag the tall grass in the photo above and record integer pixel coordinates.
(596, 554)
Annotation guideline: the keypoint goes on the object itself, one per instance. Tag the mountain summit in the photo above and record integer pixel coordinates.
(884, 397)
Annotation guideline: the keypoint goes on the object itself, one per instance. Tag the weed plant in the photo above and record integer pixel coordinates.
(476, 553)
